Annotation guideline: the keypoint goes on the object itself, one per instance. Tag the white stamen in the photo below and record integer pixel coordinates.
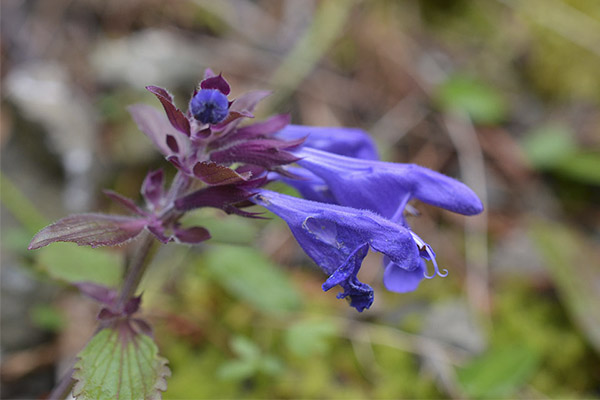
(424, 246)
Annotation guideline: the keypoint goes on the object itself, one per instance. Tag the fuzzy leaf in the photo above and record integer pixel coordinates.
(89, 229)
(175, 115)
(119, 363)
(215, 174)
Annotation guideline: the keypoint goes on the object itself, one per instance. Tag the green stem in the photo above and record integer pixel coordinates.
(137, 268)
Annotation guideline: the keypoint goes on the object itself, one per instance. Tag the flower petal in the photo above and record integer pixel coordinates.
(399, 280)
(330, 234)
(386, 187)
(360, 294)
(351, 142)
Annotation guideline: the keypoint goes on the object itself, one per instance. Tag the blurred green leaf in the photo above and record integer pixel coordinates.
(306, 338)
(250, 276)
(573, 263)
(251, 361)
(223, 229)
(547, 146)
(245, 348)
(72, 263)
(20, 206)
(326, 26)
(582, 166)
(481, 102)
(499, 373)
(120, 364)
(47, 317)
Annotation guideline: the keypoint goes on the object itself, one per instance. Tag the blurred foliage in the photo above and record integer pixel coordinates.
(244, 316)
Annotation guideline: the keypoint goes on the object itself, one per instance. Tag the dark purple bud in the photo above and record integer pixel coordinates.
(153, 188)
(209, 106)
(216, 82)
(106, 314)
(90, 229)
(132, 305)
(175, 115)
(172, 144)
(124, 201)
(192, 235)
(159, 232)
(215, 174)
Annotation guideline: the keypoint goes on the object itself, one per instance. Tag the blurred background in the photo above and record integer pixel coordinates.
(503, 95)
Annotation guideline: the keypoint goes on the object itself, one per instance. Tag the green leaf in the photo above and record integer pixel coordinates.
(47, 317)
(547, 146)
(572, 260)
(71, 263)
(481, 102)
(499, 373)
(119, 363)
(229, 229)
(583, 166)
(306, 338)
(251, 361)
(251, 277)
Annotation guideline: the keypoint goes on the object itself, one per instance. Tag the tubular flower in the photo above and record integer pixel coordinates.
(386, 188)
(338, 238)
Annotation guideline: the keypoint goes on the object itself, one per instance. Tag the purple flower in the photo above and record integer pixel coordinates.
(351, 142)
(209, 106)
(384, 188)
(206, 140)
(337, 238)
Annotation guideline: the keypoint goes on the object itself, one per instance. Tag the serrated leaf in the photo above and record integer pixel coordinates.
(499, 373)
(89, 229)
(481, 102)
(250, 276)
(70, 263)
(119, 363)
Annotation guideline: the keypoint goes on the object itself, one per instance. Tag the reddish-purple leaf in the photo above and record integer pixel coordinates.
(215, 174)
(175, 115)
(126, 202)
(98, 292)
(208, 73)
(132, 305)
(241, 107)
(192, 235)
(259, 129)
(267, 153)
(154, 124)
(153, 187)
(216, 82)
(90, 229)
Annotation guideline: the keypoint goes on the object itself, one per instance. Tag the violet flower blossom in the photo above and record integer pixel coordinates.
(352, 202)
